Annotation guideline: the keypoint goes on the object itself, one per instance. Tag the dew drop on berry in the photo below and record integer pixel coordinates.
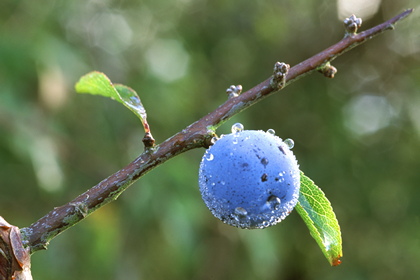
(273, 202)
(209, 156)
(240, 211)
(264, 161)
(271, 131)
(237, 127)
(289, 143)
(241, 216)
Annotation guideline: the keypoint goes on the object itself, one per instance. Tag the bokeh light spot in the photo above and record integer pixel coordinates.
(367, 114)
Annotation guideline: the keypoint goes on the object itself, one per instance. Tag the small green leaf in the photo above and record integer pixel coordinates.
(319, 217)
(98, 83)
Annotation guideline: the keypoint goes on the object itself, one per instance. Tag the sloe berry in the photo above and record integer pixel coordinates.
(249, 179)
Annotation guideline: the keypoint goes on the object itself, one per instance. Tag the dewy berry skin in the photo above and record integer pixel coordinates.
(250, 179)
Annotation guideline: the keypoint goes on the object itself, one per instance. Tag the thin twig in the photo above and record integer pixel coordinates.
(38, 235)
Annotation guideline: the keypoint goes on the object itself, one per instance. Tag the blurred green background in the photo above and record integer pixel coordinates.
(357, 135)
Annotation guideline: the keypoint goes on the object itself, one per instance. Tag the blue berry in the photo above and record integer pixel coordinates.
(250, 179)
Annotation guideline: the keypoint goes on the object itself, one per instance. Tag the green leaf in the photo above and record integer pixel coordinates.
(319, 217)
(132, 101)
(98, 83)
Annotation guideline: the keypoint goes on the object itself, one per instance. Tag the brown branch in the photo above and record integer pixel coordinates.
(38, 235)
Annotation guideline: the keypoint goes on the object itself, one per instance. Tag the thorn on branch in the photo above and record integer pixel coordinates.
(328, 70)
(279, 75)
(352, 24)
(234, 91)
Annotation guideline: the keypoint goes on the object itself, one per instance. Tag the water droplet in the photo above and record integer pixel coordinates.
(265, 223)
(240, 211)
(289, 143)
(213, 140)
(280, 179)
(237, 127)
(273, 202)
(209, 156)
(222, 183)
(241, 216)
(271, 131)
(235, 140)
(327, 242)
(264, 161)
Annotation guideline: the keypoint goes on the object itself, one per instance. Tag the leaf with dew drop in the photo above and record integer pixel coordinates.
(99, 84)
(132, 101)
(319, 217)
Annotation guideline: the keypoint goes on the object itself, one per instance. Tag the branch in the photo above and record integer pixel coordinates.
(199, 134)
